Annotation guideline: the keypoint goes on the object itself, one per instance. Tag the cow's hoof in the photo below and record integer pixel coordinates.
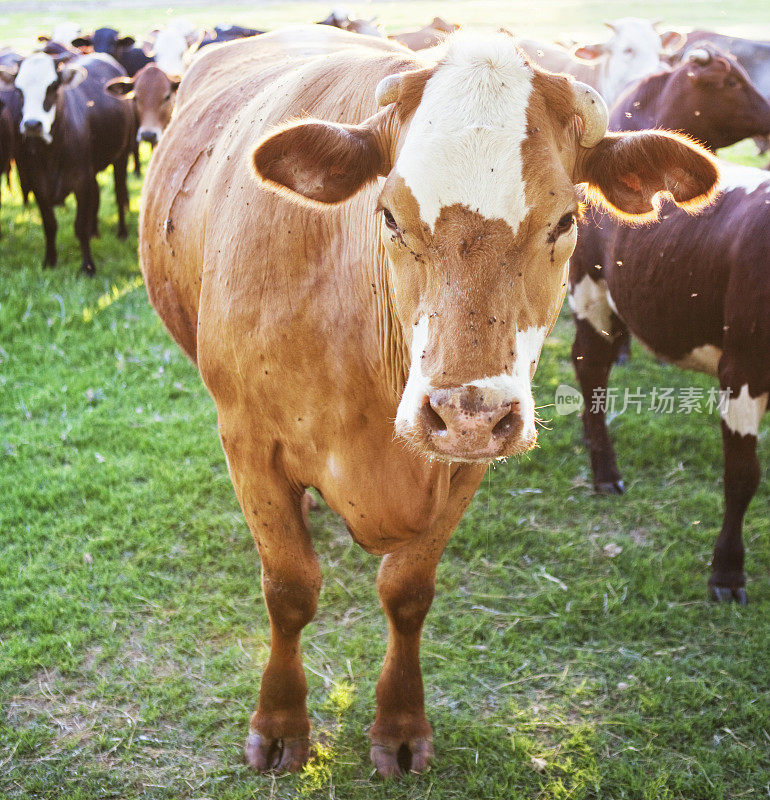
(122, 235)
(611, 487)
(264, 754)
(393, 760)
(724, 594)
(88, 269)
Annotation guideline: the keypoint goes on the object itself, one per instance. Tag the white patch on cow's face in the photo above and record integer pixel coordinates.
(65, 32)
(417, 384)
(744, 412)
(170, 47)
(589, 300)
(735, 176)
(36, 74)
(633, 53)
(703, 359)
(464, 142)
(518, 384)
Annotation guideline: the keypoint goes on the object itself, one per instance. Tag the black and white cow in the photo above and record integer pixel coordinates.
(695, 290)
(71, 130)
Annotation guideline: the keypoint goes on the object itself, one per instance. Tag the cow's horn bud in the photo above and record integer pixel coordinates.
(699, 56)
(387, 90)
(593, 111)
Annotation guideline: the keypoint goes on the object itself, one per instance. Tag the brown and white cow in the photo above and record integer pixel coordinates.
(363, 253)
(694, 290)
(153, 94)
(429, 36)
(634, 50)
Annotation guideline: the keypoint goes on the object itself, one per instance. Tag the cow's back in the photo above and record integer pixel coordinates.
(201, 196)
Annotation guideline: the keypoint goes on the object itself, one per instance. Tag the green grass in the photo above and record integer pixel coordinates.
(133, 633)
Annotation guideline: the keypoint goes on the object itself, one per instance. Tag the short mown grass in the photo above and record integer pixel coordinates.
(570, 653)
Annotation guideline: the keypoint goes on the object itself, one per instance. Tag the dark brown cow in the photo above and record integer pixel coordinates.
(153, 94)
(694, 290)
(398, 257)
(71, 130)
(429, 36)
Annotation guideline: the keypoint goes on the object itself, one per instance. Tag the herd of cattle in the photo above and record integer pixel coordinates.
(363, 248)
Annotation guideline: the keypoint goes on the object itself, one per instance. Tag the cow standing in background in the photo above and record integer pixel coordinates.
(152, 93)
(122, 48)
(227, 33)
(72, 130)
(342, 236)
(634, 51)
(694, 290)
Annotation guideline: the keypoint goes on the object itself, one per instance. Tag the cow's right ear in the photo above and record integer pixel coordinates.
(626, 172)
(588, 52)
(323, 161)
(120, 87)
(7, 76)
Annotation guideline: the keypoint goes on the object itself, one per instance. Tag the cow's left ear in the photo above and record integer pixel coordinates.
(323, 161)
(626, 171)
(125, 41)
(71, 74)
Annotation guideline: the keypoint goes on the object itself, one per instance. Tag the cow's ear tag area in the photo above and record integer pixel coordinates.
(322, 161)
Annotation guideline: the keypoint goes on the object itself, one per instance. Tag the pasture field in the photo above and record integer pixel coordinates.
(570, 653)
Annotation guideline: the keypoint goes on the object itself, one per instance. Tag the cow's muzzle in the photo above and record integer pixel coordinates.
(470, 423)
(148, 135)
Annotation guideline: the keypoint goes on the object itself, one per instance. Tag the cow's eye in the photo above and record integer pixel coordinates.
(564, 225)
(390, 220)
(731, 82)
(629, 51)
(167, 98)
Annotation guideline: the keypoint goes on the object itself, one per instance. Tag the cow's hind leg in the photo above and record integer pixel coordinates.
(740, 424)
(291, 581)
(401, 737)
(87, 197)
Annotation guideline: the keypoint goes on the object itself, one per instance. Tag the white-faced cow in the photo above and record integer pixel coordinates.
(634, 50)
(694, 289)
(363, 253)
(71, 130)
(152, 93)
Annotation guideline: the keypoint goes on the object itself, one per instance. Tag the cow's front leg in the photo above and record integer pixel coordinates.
(401, 737)
(291, 581)
(593, 354)
(740, 425)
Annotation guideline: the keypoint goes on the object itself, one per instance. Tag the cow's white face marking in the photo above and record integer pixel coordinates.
(417, 384)
(518, 384)
(464, 142)
(703, 359)
(36, 73)
(589, 300)
(735, 176)
(633, 54)
(170, 47)
(744, 412)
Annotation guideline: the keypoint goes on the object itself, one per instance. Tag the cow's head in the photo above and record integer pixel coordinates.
(712, 98)
(634, 50)
(153, 93)
(40, 78)
(480, 156)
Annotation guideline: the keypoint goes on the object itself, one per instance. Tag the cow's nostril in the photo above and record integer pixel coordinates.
(433, 421)
(505, 425)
